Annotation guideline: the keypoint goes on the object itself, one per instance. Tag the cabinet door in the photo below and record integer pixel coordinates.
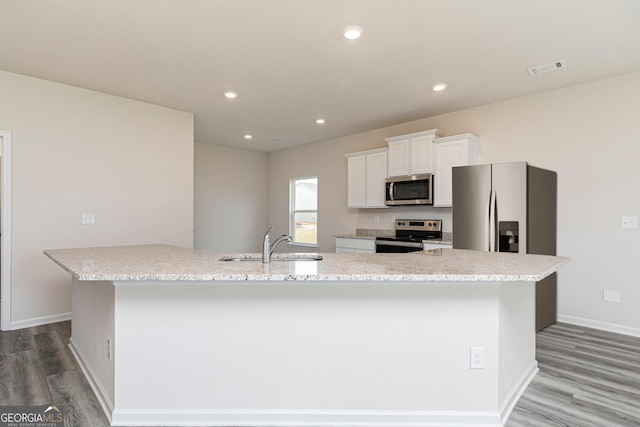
(430, 246)
(421, 155)
(356, 177)
(453, 152)
(375, 176)
(398, 157)
(355, 245)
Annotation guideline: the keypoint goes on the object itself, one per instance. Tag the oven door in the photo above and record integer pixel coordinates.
(396, 246)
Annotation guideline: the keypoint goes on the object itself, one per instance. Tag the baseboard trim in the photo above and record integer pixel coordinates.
(313, 418)
(595, 324)
(516, 393)
(98, 390)
(294, 418)
(308, 418)
(38, 321)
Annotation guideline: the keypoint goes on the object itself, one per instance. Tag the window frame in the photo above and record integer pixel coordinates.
(293, 211)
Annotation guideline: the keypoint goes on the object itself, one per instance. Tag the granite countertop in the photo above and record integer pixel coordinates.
(372, 233)
(172, 263)
(367, 234)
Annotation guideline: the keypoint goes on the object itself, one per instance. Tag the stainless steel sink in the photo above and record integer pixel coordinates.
(274, 257)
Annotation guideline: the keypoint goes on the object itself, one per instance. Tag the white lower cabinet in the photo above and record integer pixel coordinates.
(366, 172)
(347, 245)
(429, 246)
(450, 151)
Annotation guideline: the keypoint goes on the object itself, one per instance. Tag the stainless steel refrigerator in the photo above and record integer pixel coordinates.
(509, 207)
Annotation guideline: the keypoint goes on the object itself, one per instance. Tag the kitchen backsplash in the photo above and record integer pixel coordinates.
(375, 232)
(385, 218)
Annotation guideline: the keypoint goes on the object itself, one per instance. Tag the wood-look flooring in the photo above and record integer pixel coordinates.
(587, 378)
(37, 368)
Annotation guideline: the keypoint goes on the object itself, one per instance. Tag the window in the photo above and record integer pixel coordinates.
(303, 208)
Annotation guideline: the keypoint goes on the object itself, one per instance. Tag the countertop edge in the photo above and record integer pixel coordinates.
(98, 262)
(358, 279)
(61, 265)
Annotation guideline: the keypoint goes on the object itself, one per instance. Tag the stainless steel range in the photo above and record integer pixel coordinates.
(410, 235)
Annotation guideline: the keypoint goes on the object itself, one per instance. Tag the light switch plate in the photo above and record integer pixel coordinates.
(88, 219)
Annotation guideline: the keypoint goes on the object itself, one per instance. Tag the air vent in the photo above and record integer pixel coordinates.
(553, 66)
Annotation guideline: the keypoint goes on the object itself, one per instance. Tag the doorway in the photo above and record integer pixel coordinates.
(5, 230)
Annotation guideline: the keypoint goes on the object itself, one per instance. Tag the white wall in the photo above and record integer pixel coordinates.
(589, 134)
(230, 198)
(326, 161)
(76, 151)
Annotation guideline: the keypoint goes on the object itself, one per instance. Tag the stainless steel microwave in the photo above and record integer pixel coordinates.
(409, 190)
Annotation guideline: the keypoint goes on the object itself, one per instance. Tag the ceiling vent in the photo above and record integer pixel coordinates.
(553, 66)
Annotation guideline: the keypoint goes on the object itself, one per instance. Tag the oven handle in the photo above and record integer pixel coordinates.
(405, 244)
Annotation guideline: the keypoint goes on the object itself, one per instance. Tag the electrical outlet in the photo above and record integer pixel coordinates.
(88, 219)
(109, 354)
(376, 219)
(477, 358)
(629, 222)
(610, 296)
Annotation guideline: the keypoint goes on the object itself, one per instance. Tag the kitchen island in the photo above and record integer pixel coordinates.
(174, 336)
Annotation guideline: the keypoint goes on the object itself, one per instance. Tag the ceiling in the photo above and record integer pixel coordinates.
(290, 64)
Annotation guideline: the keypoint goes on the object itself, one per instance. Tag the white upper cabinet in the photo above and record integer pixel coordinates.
(456, 150)
(398, 157)
(356, 177)
(375, 176)
(421, 154)
(366, 172)
(411, 154)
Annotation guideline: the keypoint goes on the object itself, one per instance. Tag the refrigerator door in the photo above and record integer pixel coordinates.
(542, 209)
(470, 206)
(509, 182)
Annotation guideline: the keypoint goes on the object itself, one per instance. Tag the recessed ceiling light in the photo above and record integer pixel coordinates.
(230, 94)
(247, 136)
(353, 32)
(439, 87)
(320, 121)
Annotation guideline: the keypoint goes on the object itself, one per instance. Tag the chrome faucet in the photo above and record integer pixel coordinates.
(267, 247)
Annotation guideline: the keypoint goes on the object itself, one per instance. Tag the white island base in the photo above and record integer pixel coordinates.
(304, 354)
